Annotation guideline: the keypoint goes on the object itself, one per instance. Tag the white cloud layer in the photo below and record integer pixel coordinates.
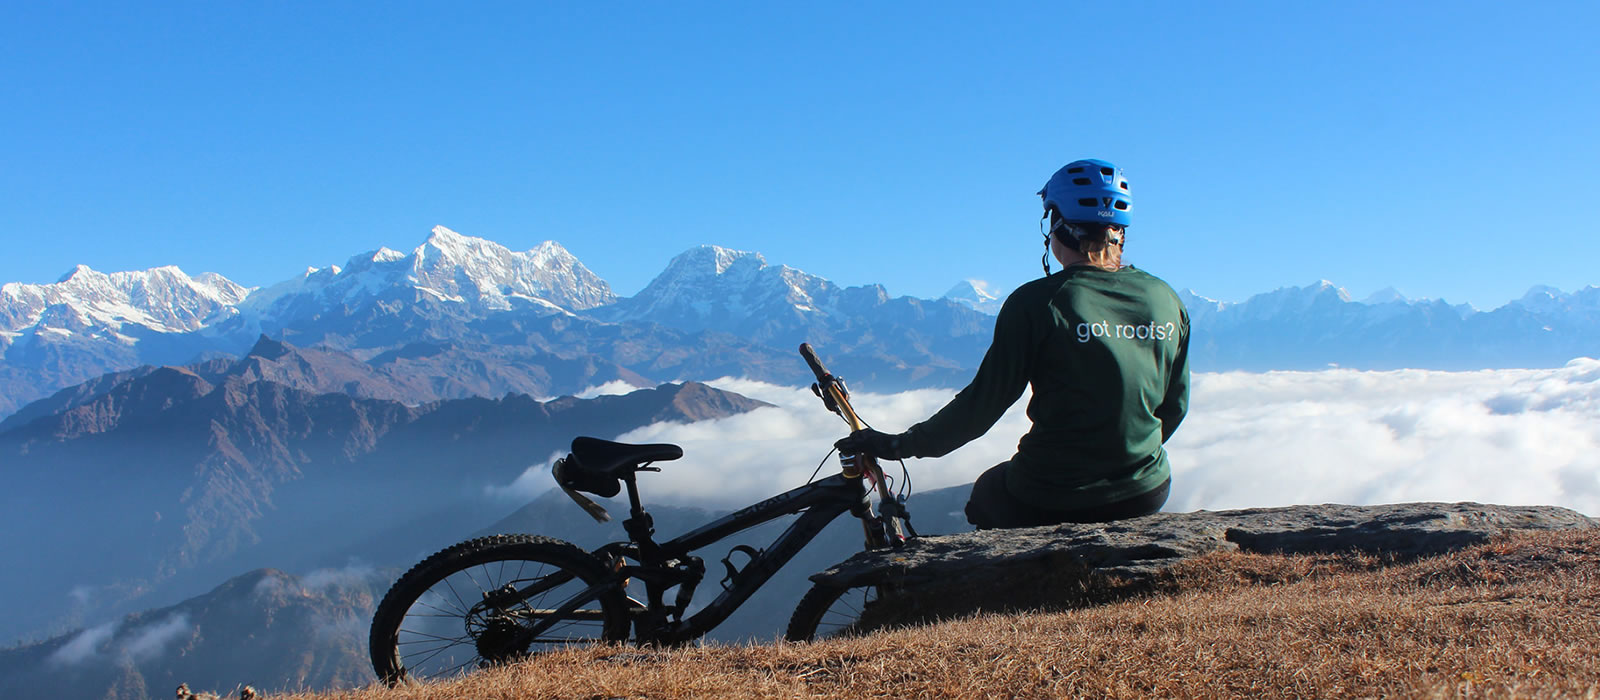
(152, 640)
(112, 641)
(1514, 437)
(736, 460)
(84, 646)
(350, 577)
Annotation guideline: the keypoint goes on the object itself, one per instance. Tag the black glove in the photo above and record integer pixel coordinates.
(871, 442)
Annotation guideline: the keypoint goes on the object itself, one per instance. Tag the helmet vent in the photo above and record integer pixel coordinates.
(1087, 202)
(1080, 181)
(1078, 169)
(1123, 184)
(1121, 205)
(1106, 171)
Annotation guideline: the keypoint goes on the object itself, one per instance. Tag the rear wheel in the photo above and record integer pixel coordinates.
(830, 611)
(474, 604)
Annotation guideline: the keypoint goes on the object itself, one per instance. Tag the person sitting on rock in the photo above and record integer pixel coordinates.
(1104, 347)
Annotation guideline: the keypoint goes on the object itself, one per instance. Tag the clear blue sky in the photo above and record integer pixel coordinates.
(1448, 152)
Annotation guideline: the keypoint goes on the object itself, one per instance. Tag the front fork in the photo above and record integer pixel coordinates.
(890, 526)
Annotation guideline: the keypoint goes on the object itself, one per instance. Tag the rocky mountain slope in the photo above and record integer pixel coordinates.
(284, 631)
(223, 466)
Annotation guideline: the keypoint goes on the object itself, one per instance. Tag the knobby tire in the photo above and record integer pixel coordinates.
(436, 620)
(830, 611)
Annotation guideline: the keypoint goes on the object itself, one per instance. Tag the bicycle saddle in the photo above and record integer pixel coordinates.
(615, 459)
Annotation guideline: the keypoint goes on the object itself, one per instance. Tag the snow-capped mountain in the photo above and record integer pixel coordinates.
(473, 317)
(718, 288)
(1580, 307)
(54, 336)
(1320, 325)
(709, 288)
(977, 295)
(481, 275)
(89, 323)
(160, 300)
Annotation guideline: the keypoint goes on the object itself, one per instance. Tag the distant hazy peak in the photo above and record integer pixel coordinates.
(1542, 291)
(1324, 286)
(1387, 295)
(976, 294)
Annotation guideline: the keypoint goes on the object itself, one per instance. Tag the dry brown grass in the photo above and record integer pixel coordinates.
(1517, 618)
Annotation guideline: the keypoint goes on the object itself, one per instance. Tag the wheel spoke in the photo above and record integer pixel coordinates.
(826, 612)
(431, 656)
(456, 640)
(464, 607)
(474, 580)
(458, 614)
(437, 623)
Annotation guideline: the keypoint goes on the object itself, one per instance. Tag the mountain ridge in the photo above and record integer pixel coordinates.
(475, 318)
(132, 489)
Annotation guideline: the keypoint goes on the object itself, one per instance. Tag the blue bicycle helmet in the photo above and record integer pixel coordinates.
(1089, 191)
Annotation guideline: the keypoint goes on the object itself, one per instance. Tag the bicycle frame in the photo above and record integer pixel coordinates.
(662, 566)
(514, 614)
(818, 503)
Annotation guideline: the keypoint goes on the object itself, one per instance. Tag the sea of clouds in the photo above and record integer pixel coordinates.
(1513, 437)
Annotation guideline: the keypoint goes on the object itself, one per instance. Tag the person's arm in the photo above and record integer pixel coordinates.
(1000, 380)
(1176, 403)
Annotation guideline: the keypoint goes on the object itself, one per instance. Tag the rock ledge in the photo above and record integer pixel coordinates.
(1140, 549)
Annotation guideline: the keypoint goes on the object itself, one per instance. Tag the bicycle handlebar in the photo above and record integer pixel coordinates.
(837, 398)
(832, 391)
(811, 358)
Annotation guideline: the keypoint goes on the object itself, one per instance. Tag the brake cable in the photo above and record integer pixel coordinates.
(821, 464)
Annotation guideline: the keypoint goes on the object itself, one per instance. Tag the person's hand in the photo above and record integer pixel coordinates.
(871, 442)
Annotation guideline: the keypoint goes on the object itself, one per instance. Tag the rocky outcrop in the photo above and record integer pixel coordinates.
(954, 574)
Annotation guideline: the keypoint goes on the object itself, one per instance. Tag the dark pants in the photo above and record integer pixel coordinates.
(993, 506)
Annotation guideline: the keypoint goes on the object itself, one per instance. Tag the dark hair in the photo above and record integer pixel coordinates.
(1093, 240)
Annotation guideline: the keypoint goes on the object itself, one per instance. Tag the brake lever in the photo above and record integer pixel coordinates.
(827, 398)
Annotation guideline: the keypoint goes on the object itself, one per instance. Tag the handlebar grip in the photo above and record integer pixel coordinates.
(811, 359)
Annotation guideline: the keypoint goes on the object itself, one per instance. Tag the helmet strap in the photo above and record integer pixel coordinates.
(1045, 259)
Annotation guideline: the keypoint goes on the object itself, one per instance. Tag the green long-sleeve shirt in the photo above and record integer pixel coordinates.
(1107, 355)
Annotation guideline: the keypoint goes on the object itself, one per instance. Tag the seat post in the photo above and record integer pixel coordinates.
(639, 525)
(635, 508)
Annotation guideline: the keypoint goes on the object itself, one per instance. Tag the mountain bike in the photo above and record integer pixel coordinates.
(499, 599)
